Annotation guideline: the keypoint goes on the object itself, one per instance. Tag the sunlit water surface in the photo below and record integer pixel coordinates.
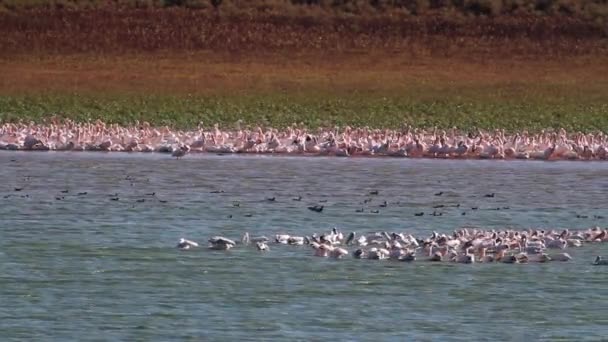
(77, 266)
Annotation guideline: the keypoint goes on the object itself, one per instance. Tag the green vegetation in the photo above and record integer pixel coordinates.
(316, 111)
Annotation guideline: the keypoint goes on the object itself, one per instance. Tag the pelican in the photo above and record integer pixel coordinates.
(245, 239)
(410, 256)
(510, 259)
(221, 243)
(180, 152)
(378, 253)
(262, 246)
(338, 253)
(186, 244)
(359, 254)
(282, 238)
(295, 240)
(561, 257)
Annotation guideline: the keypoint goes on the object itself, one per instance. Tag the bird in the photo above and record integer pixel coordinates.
(184, 244)
(181, 151)
(262, 246)
(317, 208)
(221, 243)
(600, 261)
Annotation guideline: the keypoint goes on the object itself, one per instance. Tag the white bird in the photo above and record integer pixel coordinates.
(338, 253)
(221, 243)
(186, 244)
(262, 246)
(561, 257)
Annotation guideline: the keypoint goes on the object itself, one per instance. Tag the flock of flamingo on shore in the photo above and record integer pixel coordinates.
(465, 245)
(407, 142)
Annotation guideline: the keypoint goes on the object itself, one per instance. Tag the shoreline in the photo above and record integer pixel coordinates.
(407, 142)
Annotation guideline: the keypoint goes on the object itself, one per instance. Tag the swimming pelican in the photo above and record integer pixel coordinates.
(295, 240)
(282, 238)
(378, 253)
(221, 243)
(561, 257)
(359, 254)
(186, 244)
(245, 239)
(262, 246)
(338, 253)
(408, 257)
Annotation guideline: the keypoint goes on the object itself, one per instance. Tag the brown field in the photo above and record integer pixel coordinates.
(142, 52)
(180, 51)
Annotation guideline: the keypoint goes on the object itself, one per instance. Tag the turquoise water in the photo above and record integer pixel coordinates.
(76, 266)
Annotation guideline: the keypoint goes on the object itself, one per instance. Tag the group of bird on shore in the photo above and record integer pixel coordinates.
(464, 245)
(67, 135)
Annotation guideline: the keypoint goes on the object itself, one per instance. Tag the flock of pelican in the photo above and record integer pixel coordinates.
(466, 245)
(408, 142)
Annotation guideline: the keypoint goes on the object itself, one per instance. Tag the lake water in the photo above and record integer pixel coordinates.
(77, 266)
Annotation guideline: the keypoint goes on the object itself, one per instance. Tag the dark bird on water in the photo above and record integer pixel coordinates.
(317, 208)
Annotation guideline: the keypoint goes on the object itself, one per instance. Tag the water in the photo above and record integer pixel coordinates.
(85, 267)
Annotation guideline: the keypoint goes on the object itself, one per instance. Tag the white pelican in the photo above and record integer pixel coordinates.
(338, 252)
(221, 243)
(186, 244)
(262, 246)
(561, 257)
